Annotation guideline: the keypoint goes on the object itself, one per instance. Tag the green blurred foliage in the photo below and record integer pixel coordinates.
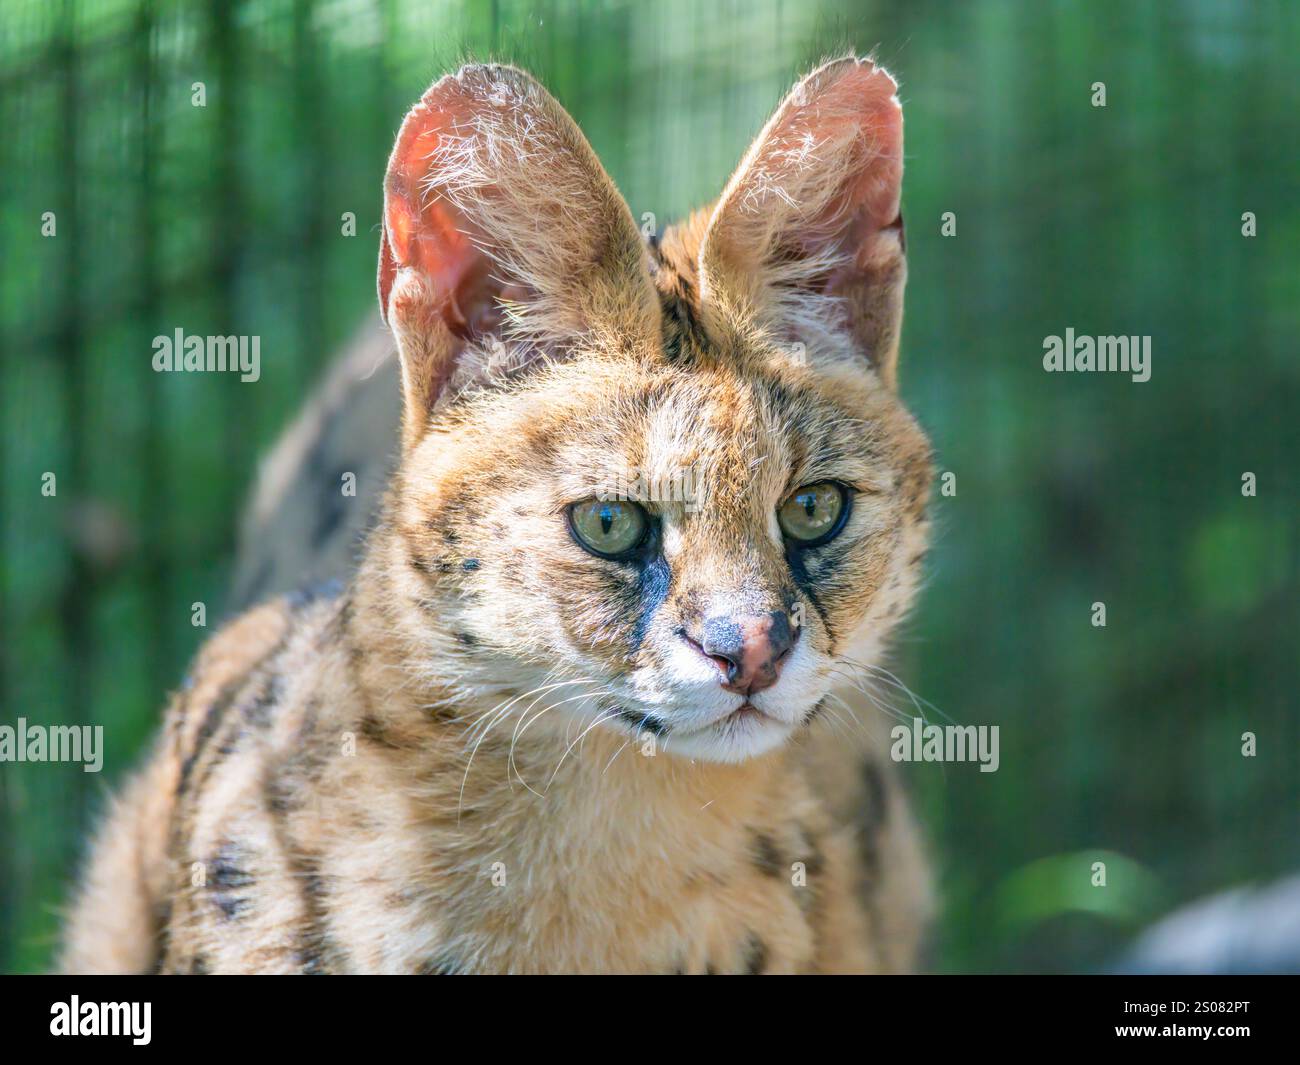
(1120, 744)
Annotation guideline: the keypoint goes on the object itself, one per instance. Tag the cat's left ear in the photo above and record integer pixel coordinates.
(808, 236)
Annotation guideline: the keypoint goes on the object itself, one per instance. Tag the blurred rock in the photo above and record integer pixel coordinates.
(1247, 930)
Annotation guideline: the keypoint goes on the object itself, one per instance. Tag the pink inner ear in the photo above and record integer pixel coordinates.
(425, 233)
(864, 217)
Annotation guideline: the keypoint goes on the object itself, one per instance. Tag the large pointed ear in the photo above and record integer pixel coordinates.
(808, 238)
(502, 234)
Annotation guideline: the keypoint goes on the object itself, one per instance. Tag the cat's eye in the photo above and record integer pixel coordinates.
(610, 529)
(814, 514)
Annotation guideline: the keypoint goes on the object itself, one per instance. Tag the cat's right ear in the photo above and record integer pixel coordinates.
(499, 222)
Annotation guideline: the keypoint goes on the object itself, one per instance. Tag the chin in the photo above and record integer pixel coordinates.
(736, 738)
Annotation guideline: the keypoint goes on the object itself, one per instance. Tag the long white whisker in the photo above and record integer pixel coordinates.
(519, 725)
(917, 701)
(497, 714)
(615, 755)
(599, 720)
(513, 767)
(506, 704)
(876, 700)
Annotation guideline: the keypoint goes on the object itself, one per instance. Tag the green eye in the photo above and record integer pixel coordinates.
(814, 514)
(608, 529)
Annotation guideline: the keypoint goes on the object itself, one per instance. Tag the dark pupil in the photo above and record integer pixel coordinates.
(606, 519)
(809, 504)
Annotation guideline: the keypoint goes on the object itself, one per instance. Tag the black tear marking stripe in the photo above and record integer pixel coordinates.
(654, 583)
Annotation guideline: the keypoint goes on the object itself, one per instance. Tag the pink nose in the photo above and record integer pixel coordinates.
(749, 650)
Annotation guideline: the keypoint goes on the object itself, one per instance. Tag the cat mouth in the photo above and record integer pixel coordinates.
(742, 724)
(745, 710)
(730, 735)
(745, 718)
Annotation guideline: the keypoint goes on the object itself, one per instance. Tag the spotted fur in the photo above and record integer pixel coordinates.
(491, 751)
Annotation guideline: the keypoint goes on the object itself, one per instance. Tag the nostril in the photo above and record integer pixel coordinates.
(727, 665)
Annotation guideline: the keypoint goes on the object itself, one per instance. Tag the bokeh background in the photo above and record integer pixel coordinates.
(1120, 744)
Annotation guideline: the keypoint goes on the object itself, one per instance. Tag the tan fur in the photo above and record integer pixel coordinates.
(467, 761)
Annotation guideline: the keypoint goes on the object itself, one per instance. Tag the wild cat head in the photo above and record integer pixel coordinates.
(667, 484)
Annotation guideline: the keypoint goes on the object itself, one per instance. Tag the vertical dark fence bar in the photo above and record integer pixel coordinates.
(8, 710)
(317, 205)
(386, 78)
(77, 597)
(228, 224)
(155, 559)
